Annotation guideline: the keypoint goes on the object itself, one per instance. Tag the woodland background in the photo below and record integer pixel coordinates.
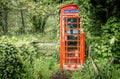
(23, 23)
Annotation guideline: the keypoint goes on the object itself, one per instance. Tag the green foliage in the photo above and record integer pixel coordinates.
(37, 65)
(28, 56)
(10, 64)
(39, 23)
(44, 67)
(88, 72)
(108, 47)
(41, 20)
(19, 40)
(26, 62)
(111, 37)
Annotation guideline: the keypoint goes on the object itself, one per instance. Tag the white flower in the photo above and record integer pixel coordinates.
(112, 40)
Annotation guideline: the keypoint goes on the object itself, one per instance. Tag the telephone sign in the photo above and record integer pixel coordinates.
(70, 11)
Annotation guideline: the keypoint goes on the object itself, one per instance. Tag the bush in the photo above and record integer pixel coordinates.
(104, 71)
(10, 63)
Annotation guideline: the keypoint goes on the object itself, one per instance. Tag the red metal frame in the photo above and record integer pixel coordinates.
(71, 57)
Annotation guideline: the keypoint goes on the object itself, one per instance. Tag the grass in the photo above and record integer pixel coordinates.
(48, 47)
(45, 64)
(19, 40)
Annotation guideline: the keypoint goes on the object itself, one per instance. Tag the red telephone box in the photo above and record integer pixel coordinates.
(72, 41)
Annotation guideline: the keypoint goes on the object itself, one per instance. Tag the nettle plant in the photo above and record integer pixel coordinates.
(110, 40)
(112, 37)
(10, 63)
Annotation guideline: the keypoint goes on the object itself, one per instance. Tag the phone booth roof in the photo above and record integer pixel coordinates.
(70, 8)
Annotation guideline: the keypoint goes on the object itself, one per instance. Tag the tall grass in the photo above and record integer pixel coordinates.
(105, 72)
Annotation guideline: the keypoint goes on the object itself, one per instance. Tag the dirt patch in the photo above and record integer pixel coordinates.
(62, 75)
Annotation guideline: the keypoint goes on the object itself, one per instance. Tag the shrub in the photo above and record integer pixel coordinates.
(10, 63)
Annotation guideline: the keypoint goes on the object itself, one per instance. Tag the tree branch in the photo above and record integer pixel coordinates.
(93, 63)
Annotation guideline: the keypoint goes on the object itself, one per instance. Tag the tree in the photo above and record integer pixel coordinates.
(40, 13)
(1, 22)
(21, 6)
(4, 15)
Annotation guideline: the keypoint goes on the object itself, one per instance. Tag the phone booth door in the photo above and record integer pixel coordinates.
(72, 42)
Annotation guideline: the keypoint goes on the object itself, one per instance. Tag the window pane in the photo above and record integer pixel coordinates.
(72, 31)
(72, 43)
(72, 20)
(72, 25)
(72, 37)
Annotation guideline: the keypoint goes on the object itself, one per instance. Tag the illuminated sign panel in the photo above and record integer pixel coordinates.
(70, 11)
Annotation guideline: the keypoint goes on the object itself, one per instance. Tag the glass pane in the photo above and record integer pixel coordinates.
(72, 37)
(71, 54)
(72, 43)
(72, 20)
(72, 25)
(72, 31)
(72, 49)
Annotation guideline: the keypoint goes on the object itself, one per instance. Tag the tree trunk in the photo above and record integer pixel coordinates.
(1, 21)
(5, 27)
(22, 29)
(43, 23)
